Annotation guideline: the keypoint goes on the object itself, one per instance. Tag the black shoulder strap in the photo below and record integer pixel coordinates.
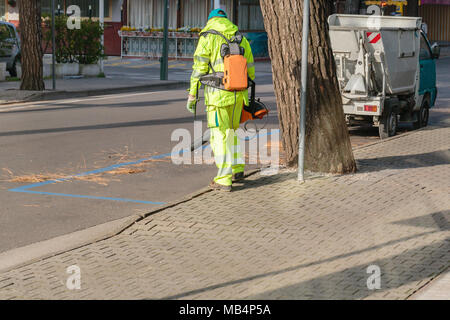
(236, 38)
(212, 31)
(233, 44)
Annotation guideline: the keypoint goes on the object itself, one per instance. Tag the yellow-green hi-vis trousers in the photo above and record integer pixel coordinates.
(224, 141)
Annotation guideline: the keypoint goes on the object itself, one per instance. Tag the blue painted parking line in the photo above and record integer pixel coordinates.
(101, 170)
(88, 197)
(27, 188)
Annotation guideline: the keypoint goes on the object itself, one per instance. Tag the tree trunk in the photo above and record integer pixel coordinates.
(31, 38)
(352, 6)
(327, 147)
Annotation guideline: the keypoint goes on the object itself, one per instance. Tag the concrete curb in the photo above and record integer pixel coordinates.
(19, 257)
(425, 292)
(190, 197)
(53, 95)
(35, 252)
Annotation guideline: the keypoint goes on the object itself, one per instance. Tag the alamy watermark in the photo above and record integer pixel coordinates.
(74, 19)
(374, 280)
(74, 280)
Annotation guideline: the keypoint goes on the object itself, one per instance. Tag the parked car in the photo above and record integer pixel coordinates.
(9, 47)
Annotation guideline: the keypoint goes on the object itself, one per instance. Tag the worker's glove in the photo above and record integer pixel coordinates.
(191, 103)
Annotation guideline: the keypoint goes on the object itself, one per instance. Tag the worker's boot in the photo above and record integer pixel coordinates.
(238, 176)
(220, 187)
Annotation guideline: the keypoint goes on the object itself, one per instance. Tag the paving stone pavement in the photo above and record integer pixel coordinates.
(273, 238)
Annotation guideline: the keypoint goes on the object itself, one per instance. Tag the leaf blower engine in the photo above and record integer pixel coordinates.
(256, 110)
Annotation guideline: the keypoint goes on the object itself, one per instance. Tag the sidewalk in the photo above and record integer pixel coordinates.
(273, 238)
(119, 78)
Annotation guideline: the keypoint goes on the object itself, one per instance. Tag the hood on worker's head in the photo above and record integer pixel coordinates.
(217, 13)
(221, 24)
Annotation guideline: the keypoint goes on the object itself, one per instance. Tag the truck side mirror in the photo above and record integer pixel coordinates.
(435, 50)
(424, 27)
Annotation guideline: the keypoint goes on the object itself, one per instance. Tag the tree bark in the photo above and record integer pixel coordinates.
(327, 147)
(31, 45)
(352, 6)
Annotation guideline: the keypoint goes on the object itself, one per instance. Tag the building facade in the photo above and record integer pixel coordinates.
(139, 15)
(435, 14)
(193, 13)
(9, 11)
(148, 15)
(142, 35)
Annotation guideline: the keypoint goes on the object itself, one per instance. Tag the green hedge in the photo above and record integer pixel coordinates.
(75, 45)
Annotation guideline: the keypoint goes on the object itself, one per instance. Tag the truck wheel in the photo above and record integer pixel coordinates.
(388, 125)
(423, 114)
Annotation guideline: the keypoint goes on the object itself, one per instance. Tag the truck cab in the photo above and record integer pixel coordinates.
(427, 81)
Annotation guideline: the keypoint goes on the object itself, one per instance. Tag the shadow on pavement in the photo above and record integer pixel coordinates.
(143, 123)
(71, 106)
(429, 159)
(189, 119)
(432, 220)
(351, 282)
(263, 181)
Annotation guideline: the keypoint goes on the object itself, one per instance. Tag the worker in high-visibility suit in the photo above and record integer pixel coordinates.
(223, 107)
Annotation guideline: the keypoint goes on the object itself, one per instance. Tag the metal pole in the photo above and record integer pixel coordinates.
(304, 76)
(102, 23)
(165, 54)
(53, 46)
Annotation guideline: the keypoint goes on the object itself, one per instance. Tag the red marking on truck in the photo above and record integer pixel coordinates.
(376, 39)
(373, 37)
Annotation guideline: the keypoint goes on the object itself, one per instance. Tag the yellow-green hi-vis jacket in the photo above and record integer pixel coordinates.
(208, 51)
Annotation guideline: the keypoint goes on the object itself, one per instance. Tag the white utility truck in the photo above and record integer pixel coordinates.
(386, 70)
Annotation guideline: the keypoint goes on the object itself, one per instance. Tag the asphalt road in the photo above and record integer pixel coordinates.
(56, 139)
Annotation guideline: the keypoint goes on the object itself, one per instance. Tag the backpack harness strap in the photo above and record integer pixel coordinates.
(215, 79)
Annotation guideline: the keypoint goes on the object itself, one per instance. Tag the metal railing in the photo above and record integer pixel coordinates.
(151, 46)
